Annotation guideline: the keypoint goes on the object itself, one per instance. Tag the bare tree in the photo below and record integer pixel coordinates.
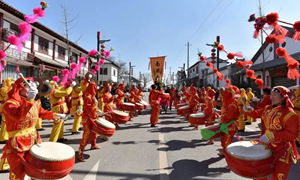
(67, 26)
(146, 78)
(123, 68)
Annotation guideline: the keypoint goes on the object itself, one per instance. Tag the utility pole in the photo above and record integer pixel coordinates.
(98, 49)
(170, 75)
(218, 61)
(188, 62)
(130, 67)
(262, 42)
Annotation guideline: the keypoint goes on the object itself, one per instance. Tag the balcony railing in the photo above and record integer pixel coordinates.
(13, 53)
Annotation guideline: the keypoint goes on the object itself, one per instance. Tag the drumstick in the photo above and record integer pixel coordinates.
(21, 76)
(72, 114)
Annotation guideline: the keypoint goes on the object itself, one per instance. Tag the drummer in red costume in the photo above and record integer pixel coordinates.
(120, 97)
(132, 98)
(90, 114)
(230, 114)
(21, 115)
(209, 110)
(265, 101)
(193, 103)
(154, 95)
(282, 126)
(172, 96)
(139, 95)
(108, 101)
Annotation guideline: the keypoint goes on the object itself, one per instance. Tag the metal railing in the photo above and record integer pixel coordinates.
(12, 52)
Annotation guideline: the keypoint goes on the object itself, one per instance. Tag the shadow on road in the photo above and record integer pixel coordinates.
(176, 145)
(135, 126)
(169, 129)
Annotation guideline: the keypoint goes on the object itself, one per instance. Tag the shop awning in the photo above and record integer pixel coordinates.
(47, 61)
(18, 62)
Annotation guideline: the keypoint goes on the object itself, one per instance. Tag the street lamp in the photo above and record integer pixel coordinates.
(99, 42)
(130, 74)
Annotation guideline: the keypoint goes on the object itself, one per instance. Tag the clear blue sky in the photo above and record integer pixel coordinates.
(140, 29)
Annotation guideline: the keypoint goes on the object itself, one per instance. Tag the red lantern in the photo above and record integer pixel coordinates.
(102, 50)
(213, 54)
(102, 54)
(3, 63)
(213, 50)
(103, 46)
(213, 61)
(213, 57)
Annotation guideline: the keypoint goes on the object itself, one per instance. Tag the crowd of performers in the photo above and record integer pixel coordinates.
(22, 115)
(279, 117)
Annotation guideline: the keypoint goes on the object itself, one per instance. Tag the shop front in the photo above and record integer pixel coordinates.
(279, 77)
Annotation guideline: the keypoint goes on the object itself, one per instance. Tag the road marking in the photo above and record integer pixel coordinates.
(163, 161)
(92, 175)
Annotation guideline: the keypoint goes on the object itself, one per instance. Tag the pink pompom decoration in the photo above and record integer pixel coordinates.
(66, 75)
(25, 31)
(38, 12)
(14, 40)
(73, 65)
(106, 53)
(93, 52)
(93, 71)
(101, 61)
(74, 70)
(97, 67)
(2, 55)
(82, 60)
(55, 79)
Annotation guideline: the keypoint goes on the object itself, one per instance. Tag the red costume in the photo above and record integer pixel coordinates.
(139, 96)
(120, 99)
(132, 98)
(21, 116)
(90, 109)
(208, 111)
(229, 112)
(193, 102)
(155, 106)
(108, 101)
(265, 101)
(282, 126)
(172, 96)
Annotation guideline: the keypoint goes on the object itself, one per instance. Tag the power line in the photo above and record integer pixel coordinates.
(200, 26)
(215, 19)
(206, 19)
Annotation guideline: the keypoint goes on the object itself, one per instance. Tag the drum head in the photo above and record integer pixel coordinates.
(120, 113)
(129, 104)
(248, 151)
(139, 104)
(52, 151)
(184, 107)
(200, 115)
(144, 102)
(105, 123)
(212, 126)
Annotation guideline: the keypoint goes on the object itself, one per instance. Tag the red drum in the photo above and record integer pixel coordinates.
(176, 103)
(103, 127)
(213, 128)
(49, 160)
(120, 117)
(165, 96)
(249, 160)
(129, 107)
(184, 110)
(139, 106)
(182, 104)
(144, 103)
(197, 119)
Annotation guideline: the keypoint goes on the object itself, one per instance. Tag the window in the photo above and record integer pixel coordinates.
(114, 72)
(74, 57)
(15, 28)
(61, 52)
(105, 71)
(197, 70)
(43, 45)
(101, 70)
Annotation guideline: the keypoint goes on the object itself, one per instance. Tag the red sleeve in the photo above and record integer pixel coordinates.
(119, 93)
(17, 112)
(44, 114)
(230, 113)
(264, 102)
(208, 110)
(256, 113)
(89, 108)
(150, 96)
(291, 128)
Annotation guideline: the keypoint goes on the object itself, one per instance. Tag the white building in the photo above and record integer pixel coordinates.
(108, 72)
(275, 67)
(201, 75)
(44, 48)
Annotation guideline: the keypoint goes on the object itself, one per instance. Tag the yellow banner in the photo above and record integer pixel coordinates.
(157, 67)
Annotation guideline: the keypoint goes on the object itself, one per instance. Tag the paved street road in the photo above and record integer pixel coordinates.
(170, 151)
